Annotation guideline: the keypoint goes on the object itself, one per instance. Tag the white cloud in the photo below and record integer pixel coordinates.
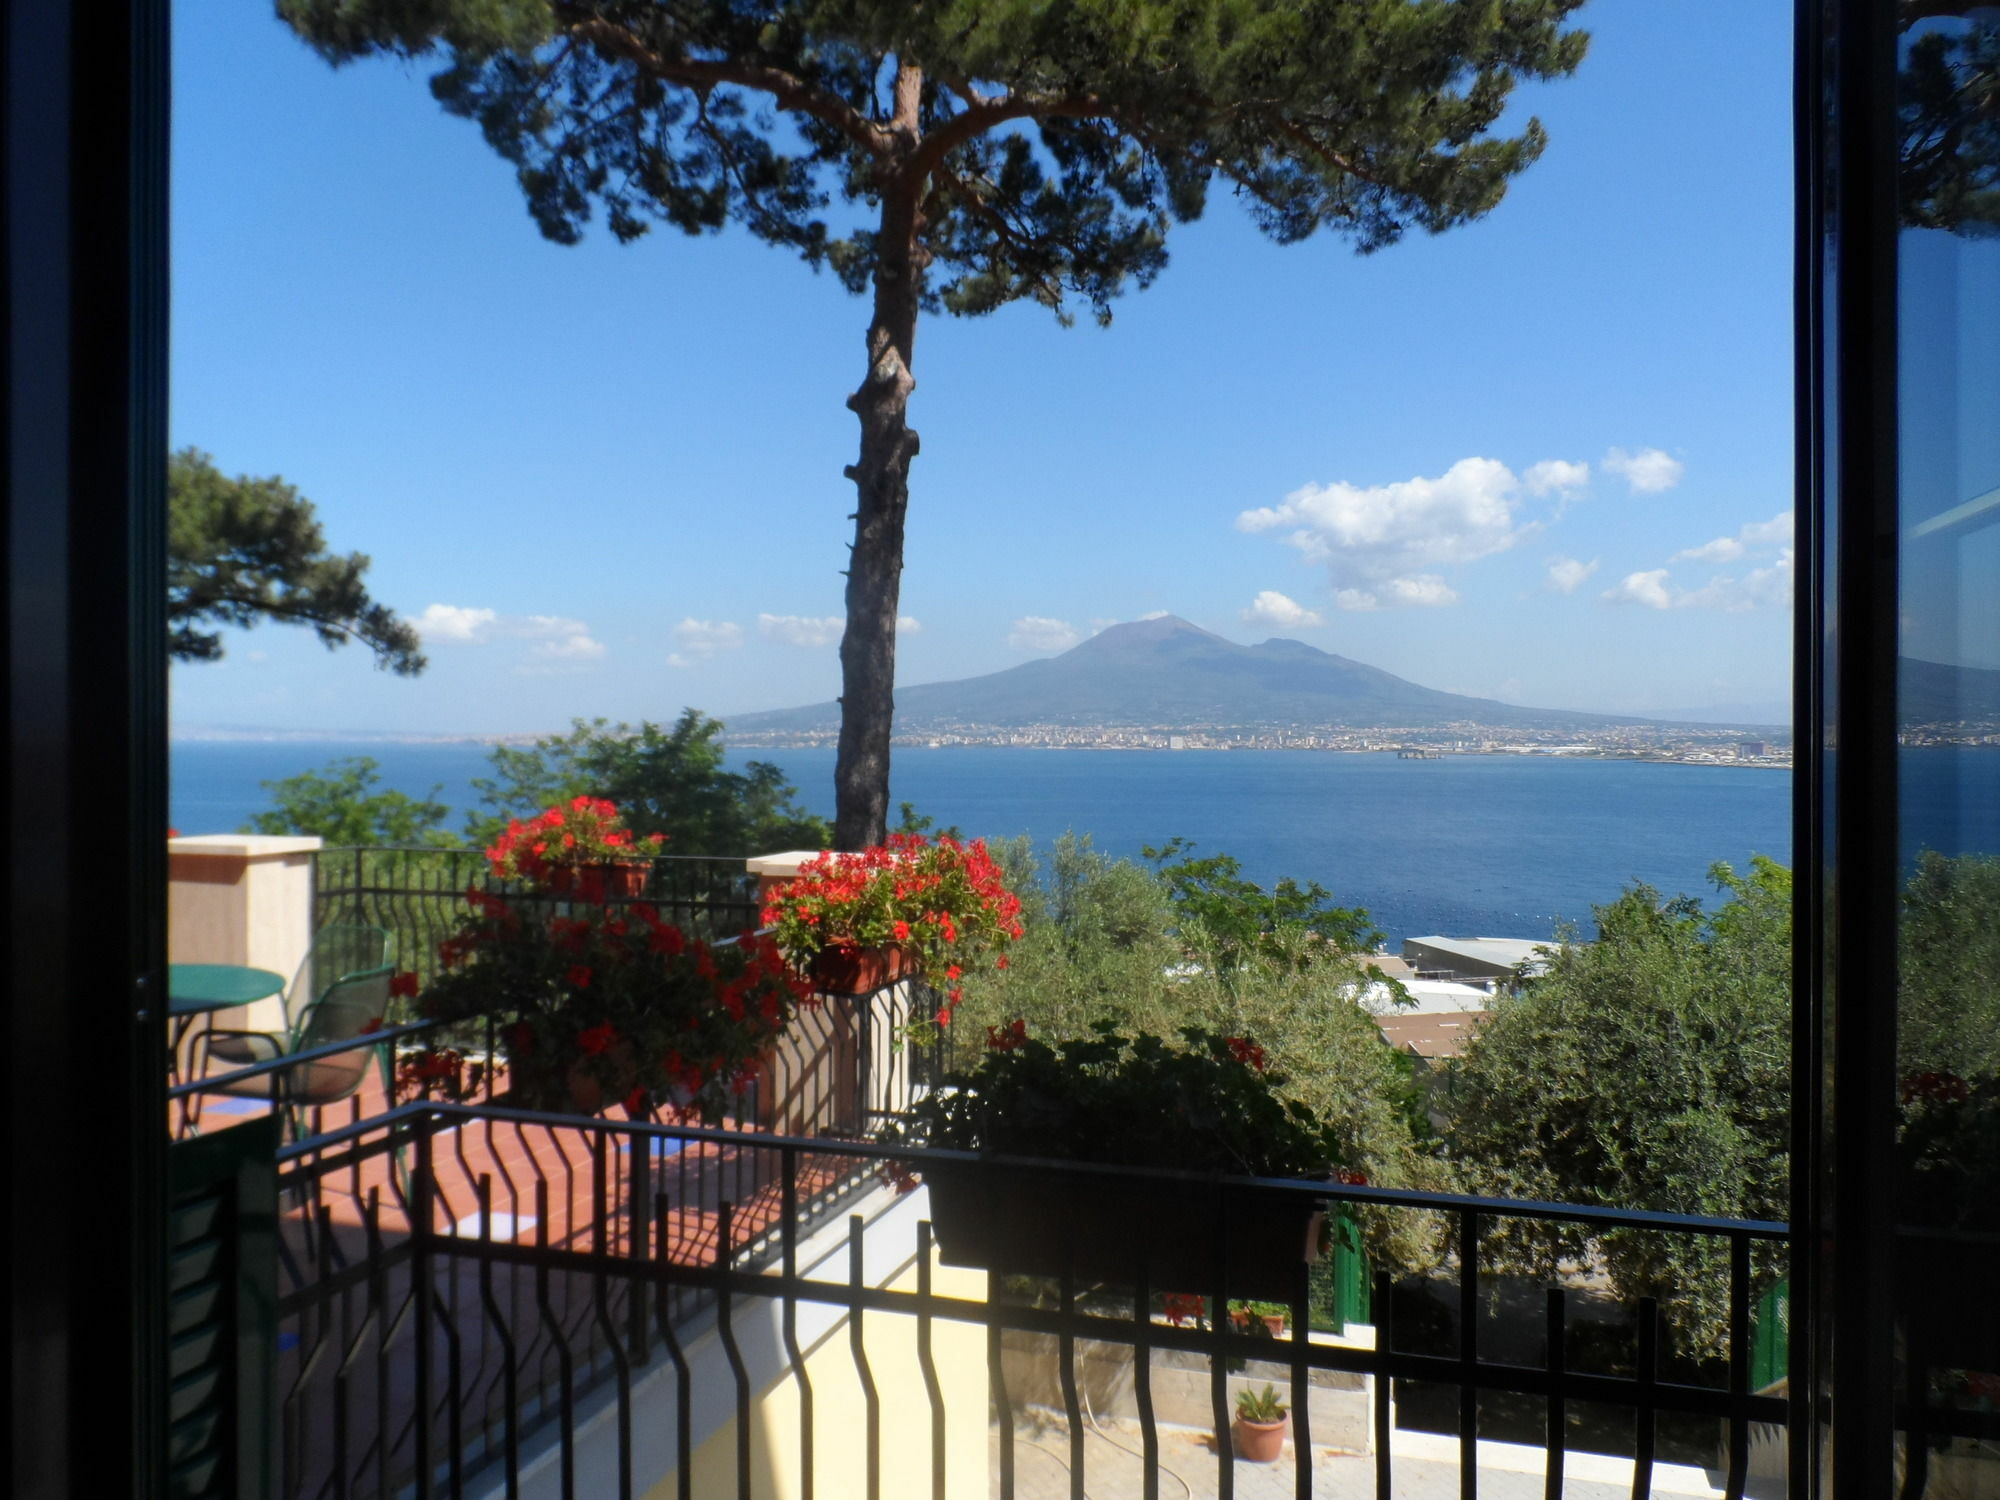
(908, 625)
(1555, 476)
(1566, 574)
(1039, 633)
(451, 622)
(802, 630)
(1155, 614)
(1648, 588)
(1378, 544)
(1722, 549)
(1648, 472)
(698, 640)
(558, 640)
(1424, 590)
(1759, 588)
(1279, 612)
(1776, 532)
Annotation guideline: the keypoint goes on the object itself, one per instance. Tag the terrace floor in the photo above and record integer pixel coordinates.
(1426, 1468)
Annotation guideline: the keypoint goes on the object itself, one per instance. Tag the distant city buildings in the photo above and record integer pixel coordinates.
(1676, 743)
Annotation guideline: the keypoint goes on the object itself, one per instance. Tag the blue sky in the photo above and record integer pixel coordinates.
(608, 479)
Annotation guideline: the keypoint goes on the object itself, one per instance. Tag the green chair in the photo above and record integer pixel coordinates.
(339, 950)
(349, 1009)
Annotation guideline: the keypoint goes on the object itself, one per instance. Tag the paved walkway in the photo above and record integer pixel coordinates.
(1426, 1468)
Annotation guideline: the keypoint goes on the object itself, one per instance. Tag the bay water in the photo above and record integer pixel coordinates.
(1506, 846)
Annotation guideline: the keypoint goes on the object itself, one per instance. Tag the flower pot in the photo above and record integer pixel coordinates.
(848, 970)
(1275, 1323)
(608, 880)
(1259, 1442)
(1029, 1221)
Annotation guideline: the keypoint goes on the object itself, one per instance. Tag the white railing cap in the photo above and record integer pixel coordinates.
(779, 866)
(243, 845)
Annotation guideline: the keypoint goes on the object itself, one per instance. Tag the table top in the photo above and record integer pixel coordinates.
(193, 988)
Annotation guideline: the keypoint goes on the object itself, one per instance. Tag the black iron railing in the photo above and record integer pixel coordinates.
(419, 894)
(473, 1293)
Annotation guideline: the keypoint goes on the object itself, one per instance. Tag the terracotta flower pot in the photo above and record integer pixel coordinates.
(850, 970)
(609, 880)
(1259, 1442)
(1275, 1322)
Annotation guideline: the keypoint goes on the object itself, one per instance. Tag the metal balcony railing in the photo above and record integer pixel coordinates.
(478, 1300)
(419, 894)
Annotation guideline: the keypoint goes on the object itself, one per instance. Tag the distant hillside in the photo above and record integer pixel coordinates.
(1168, 672)
(1935, 693)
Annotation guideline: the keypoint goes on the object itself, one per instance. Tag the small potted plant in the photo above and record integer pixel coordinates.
(1272, 1317)
(1258, 1433)
(934, 907)
(580, 848)
(611, 1004)
(1206, 1105)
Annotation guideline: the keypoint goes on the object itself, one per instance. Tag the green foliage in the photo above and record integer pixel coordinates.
(1051, 146)
(339, 804)
(1649, 1069)
(1948, 1015)
(1948, 109)
(243, 550)
(1263, 1407)
(668, 781)
(1240, 917)
(1104, 941)
(1206, 1105)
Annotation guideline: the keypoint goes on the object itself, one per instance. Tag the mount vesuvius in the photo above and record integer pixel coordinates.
(1165, 671)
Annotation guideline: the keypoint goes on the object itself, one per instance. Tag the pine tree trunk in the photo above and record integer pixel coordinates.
(875, 565)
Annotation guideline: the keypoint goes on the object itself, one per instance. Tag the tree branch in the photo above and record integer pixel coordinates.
(984, 114)
(787, 90)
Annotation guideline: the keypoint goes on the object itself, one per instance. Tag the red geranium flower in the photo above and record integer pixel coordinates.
(403, 985)
(597, 1038)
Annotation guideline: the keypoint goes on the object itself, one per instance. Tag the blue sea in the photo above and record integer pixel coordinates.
(1479, 845)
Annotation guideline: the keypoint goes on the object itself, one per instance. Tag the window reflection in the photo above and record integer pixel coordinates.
(1948, 1019)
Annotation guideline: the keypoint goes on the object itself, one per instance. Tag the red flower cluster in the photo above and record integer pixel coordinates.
(1936, 1088)
(944, 902)
(439, 1070)
(1245, 1051)
(1348, 1177)
(615, 1003)
(1007, 1038)
(564, 838)
(1184, 1307)
(403, 985)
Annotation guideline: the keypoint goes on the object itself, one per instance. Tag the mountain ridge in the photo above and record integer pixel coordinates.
(1168, 671)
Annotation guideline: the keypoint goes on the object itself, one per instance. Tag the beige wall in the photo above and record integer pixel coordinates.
(839, 1413)
(241, 899)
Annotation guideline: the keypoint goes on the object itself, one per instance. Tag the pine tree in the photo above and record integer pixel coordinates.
(959, 155)
(243, 550)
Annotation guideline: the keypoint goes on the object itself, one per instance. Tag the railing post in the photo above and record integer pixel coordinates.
(421, 1291)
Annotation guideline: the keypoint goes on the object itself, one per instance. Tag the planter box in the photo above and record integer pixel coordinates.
(855, 971)
(1025, 1221)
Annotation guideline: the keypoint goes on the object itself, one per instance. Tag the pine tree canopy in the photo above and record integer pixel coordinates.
(242, 550)
(1052, 145)
(959, 155)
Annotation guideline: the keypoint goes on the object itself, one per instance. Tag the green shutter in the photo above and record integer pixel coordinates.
(222, 1277)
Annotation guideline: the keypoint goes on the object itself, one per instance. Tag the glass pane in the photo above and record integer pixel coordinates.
(1948, 1157)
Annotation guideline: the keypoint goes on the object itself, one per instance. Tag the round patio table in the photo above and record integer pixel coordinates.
(197, 990)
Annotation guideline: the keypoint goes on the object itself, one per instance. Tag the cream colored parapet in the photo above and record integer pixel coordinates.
(839, 1404)
(774, 870)
(241, 898)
